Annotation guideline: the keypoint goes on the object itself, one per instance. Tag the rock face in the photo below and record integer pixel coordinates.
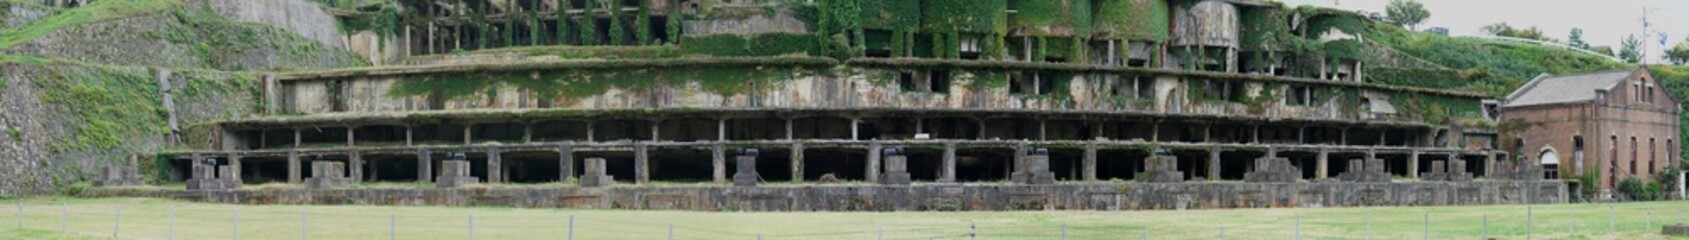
(16, 15)
(300, 16)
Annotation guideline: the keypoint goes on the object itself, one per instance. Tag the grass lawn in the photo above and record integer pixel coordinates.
(150, 219)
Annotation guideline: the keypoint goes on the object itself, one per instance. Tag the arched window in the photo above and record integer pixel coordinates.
(1577, 154)
(1651, 156)
(1612, 161)
(1550, 164)
(1632, 156)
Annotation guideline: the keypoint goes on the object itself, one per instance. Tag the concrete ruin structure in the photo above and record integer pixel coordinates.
(996, 101)
(1615, 125)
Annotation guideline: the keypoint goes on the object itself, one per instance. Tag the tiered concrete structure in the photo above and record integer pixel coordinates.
(912, 95)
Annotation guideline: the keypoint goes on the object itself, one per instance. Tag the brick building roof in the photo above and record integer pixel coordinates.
(1548, 89)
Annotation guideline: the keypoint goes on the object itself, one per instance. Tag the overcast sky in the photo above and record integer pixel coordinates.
(1604, 22)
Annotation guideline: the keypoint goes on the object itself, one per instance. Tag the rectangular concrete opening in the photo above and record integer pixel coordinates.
(680, 165)
(1011, 129)
(1128, 130)
(622, 129)
(686, 130)
(821, 128)
(925, 164)
(618, 164)
(951, 128)
(1234, 164)
(984, 164)
(444, 133)
(379, 135)
(561, 130)
(306, 160)
(1067, 163)
(774, 164)
(273, 138)
(390, 167)
(181, 169)
(1068, 130)
(843, 164)
(1120, 164)
(1395, 163)
(531, 166)
(323, 136)
(498, 132)
(756, 129)
(1307, 162)
(1194, 162)
(262, 170)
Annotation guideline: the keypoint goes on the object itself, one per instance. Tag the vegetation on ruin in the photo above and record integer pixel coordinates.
(98, 11)
(585, 82)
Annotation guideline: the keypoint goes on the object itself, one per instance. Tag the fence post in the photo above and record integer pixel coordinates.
(64, 216)
(571, 227)
(1427, 225)
(1486, 232)
(671, 231)
(1574, 213)
(1298, 226)
(236, 221)
(1650, 223)
(880, 236)
(1064, 231)
(973, 230)
(302, 225)
(1610, 215)
(392, 226)
(170, 232)
(471, 226)
(20, 213)
(1369, 225)
(1222, 232)
(117, 224)
(1527, 222)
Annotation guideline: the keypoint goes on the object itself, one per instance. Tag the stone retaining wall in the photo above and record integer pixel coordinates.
(921, 197)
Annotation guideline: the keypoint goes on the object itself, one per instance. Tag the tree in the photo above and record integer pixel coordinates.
(1576, 39)
(1504, 30)
(1631, 49)
(1406, 13)
(1678, 54)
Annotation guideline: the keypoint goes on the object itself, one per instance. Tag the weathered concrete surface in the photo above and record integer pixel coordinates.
(942, 197)
(300, 16)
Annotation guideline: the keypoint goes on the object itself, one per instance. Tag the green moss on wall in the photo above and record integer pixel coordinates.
(974, 16)
(578, 83)
(1144, 20)
(902, 15)
(764, 44)
(1035, 17)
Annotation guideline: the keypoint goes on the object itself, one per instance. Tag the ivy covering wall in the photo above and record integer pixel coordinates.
(1143, 20)
(1033, 18)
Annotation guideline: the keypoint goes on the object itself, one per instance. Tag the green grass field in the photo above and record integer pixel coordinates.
(151, 219)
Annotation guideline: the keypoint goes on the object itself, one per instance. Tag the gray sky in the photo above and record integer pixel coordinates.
(1604, 22)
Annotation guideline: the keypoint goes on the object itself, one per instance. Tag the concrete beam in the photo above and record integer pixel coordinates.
(293, 168)
(797, 160)
(424, 166)
(565, 163)
(1090, 162)
(949, 168)
(641, 164)
(718, 163)
(874, 154)
(1323, 165)
(355, 166)
(1213, 164)
(1413, 164)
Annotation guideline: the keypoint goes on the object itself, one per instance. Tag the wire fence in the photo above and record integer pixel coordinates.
(210, 221)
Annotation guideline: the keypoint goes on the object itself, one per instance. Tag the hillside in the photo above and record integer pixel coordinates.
(82, 88)
(1498, 67)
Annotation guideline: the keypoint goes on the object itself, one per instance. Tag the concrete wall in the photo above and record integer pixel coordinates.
(1102, 196)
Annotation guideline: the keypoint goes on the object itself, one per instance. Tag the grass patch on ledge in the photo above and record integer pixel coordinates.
(568, 52)
(95, 12)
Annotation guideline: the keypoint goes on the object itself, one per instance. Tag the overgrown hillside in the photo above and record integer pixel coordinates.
(1499, 67)
(81, 87)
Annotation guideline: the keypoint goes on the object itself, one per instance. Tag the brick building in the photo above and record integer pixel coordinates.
(1616, 124)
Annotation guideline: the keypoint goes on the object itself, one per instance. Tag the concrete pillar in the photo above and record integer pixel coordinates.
(1489, 164)
(355, 166)
(527, 133)
(656, 125)
(1155, 131)
(641, 164)
(1043, 131)
(1413, 164)
(721, 129)
(468, 137)
(874, 154)
(591, 131)
(495, 166)
(1213, 164)
(293, 175)
(718, 163)
(424, 166)
(1255, 136)
(1090, 162)
(234, 164)
(855, 129)
(1324, 162)
(565, 162)
(351, 136)
(797, 161)
(297, 139)
(410, 137)
(949, 168)
(789, 130)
